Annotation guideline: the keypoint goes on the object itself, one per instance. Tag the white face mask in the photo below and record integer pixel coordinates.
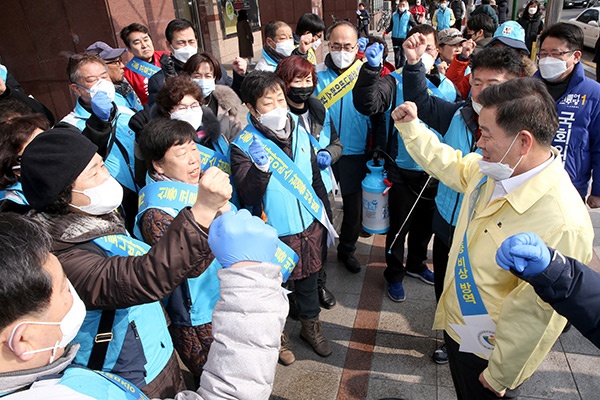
(552, 68)
(183, 54)
(286, 47)
(104, 198)
(342, 59)
(401, 9)
(316, 44)
(275, 119)
(189, 115)
(532, 10)
(443, 6)
(207, 86)
(103, 86)
(69, 326)
(476, 106)
(496, 170)
(428, 62)
(418, 3)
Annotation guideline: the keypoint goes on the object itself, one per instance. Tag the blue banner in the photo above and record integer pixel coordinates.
(142, 67)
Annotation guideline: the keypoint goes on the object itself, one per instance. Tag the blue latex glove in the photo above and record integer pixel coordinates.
(323, 159)
(102, 106)
(523, 254)
(374, 54)
(257, 152)
(235, 237)
(362, 44)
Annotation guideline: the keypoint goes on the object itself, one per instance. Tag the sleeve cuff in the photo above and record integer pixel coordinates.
(492, 382)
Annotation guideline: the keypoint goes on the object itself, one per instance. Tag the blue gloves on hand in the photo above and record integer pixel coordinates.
(102, 106)
(323, 159)
(523, 254)
(257, 152)
(235, 237)
(362, 44)
(374, 54)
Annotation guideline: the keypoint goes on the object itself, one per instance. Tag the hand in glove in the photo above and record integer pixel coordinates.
(238, 237)
(323, 159)
(374, 54)
(168, 66)
(102, 106)
(523, 254)
(257, 152)
(362, 44)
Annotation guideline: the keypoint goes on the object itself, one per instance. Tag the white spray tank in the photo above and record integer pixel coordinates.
(375, 216)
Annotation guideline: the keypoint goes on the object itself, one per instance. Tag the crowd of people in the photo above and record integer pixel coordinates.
(177, 196)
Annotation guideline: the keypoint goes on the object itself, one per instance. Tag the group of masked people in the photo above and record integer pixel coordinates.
(129, 183)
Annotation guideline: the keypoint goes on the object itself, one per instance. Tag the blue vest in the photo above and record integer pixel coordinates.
(130, 101)
(323, 141)
(115, 162)
(281, 207)
(352, 126)
(443, 18)
(15, 194)
(141, 344)
(445, 91)
(400, 28)
(459, 137)
(99, 386)
(191, 303)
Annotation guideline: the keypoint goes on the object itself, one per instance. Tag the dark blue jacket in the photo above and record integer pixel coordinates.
(573, 290)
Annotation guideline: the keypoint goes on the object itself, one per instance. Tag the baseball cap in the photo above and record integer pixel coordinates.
(104, 51)
(512, 34)
(450, 36)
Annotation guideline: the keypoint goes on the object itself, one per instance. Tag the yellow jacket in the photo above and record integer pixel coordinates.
(547, 204)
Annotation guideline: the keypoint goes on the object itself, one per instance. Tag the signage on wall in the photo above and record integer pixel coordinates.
(228, 11)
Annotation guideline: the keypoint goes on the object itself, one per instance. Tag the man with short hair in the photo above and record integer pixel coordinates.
(460, 12)
(341, 67)
(480, 29)
(124, 93)
(46, 313)
(577, 99)
(516, 183)
(443, 17)
(457, 122)
(308, 36)
(145, 61)
(279, 43)
(401, 22)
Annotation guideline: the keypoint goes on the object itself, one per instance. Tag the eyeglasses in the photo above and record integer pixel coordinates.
(553, 53)
(338, 47)
(115, 61)
(195, 106)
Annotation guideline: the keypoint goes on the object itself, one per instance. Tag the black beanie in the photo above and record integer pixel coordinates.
(52, 162)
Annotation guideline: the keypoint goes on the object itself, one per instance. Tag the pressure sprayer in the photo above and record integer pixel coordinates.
(375, 216)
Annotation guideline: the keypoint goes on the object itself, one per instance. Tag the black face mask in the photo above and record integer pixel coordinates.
(299, 94)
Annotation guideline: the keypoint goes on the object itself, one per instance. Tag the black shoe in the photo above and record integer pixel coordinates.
(440, 355)
(326, 298)
(350, 262)
(365, 234)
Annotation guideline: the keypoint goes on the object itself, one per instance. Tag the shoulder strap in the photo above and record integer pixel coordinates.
(102, 339)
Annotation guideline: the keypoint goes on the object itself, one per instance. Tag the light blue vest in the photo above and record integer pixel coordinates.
(281, 207)
(192, 303)
(141, 345)
(458, 136)
(130, 101)
(115, 161)
(400, 28)
(324, 141)
(15, 194)
(100, 386)
(443, 18)
(352, 126)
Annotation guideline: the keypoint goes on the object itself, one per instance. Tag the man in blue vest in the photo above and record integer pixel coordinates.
(443, 17)
(45, 314)
(402, 21)
(339, 70)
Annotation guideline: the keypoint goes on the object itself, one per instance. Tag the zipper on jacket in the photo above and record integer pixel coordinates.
(134, 329)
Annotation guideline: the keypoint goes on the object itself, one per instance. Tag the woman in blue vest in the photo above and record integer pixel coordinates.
(300, 80)
(173, 162)
(15, 135)
(119, 279)
(276, 175)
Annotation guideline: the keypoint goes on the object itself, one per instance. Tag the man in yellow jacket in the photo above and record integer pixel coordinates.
(497, 330)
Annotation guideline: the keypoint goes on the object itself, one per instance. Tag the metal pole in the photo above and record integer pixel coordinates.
(553, 12)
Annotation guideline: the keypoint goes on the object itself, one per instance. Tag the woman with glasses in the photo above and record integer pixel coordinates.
(15, 135)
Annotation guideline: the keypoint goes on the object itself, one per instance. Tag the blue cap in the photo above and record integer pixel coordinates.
(512, 34)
